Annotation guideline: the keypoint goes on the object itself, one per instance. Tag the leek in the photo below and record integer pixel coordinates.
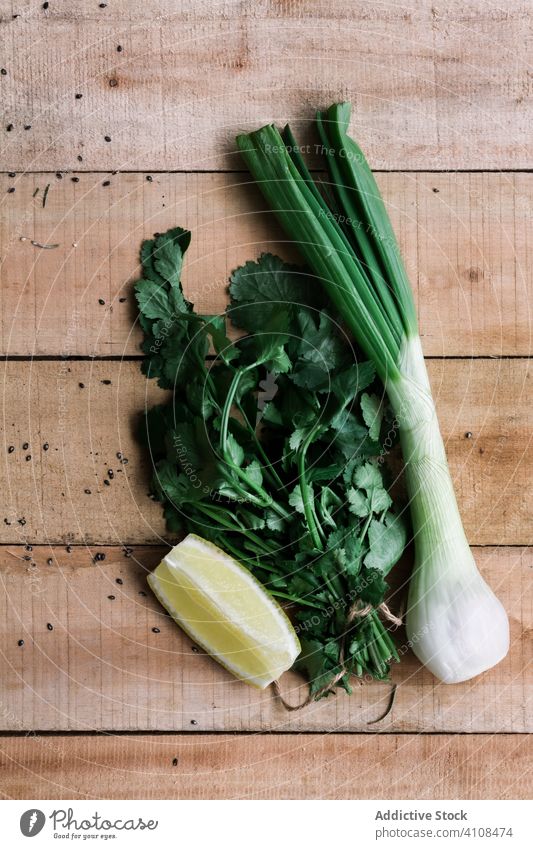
(455, 624)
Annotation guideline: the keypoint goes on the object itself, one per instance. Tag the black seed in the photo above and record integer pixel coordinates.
(75, 179)
(142, 592)
(107, 138)
(11, 190)
(27, 126)
(59, 175)
(156, 630)
(111, 473)
(102, 5)
(11, 174)
(101, 302)
(3, 72)
(436, 191)
(99, 556)
(193, 722)
(20, 643)
(81, 385)
(174, 761)
(28, 547)
(68, 549)
(119, 48)
(149, 178)
(111, 597)
(124, 461)
(468, 434)
(119, 455)
(20, 521)
(106, 183)
(27, 558)
(80, 157)
(113, 83)
(121, 300)
(9, 127)
(195, 649)
(106, 382)
(119, 581)
(10, 449)
(87, 491)
(49, 561)
(46, 446)
(106, 483)
(46, 5)
(28, 457)
(25, 446)
(50, 627)
(78, 96)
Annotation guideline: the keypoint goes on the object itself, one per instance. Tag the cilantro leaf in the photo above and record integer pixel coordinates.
(372, 408)
(261, 291)
(387, 542)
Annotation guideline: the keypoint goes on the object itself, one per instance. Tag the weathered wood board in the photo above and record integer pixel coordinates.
(103, 667)
(432, 88)
(465, 238)
(267, 766)
(59, 494)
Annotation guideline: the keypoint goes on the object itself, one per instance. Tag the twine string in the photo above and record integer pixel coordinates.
(355, 612)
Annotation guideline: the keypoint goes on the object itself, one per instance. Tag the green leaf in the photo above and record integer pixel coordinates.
(387, 542)
(253, 473)
(372, 408)
(368, 476)
(372, 587)
(348, 435)
(359, 504)
(274, 522)
(296, 500)
(168, 254)
(169, 484)
(261, 291)
(216, 327)
(153, 300)
(235, 450)
(297, 437)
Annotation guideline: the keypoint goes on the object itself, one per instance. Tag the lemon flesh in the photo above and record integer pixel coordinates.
(224, 609)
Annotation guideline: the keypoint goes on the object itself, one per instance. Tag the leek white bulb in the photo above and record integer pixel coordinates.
(455, 624)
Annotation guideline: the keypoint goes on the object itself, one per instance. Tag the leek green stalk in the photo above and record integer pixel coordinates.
(455, 624)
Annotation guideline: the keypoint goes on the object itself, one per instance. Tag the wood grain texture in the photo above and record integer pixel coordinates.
(466, 240)
(437, 88)
(45, 498)
(103, 667)
(337, 766)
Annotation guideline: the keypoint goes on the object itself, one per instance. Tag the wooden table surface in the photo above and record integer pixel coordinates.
(100, 705)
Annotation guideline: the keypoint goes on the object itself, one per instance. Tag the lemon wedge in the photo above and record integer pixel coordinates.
(224, 609)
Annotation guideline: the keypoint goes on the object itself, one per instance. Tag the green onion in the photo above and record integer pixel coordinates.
(455, 624)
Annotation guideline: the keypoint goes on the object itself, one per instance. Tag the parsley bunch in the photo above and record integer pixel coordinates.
(269, 448)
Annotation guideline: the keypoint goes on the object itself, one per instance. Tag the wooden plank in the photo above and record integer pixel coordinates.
(332, 766)
(86, 427)
(103, 666)
(431, 88)
(466, 240)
